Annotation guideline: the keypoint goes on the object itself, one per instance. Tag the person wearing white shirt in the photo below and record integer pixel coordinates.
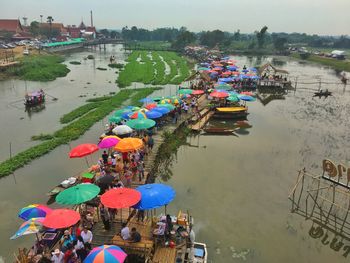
(87, 237)
(57, 256)
(125, 232)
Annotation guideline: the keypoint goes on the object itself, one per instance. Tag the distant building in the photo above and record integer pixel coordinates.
(81, 31)
(12, 28)
(339, 54)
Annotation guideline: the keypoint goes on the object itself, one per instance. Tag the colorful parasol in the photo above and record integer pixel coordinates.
(30, 226)
(167, 105)
(109, 142)
(153, 114)
(138, 115)
(140, 124)
(33, 211)
(154, 196)
(129, 144)
(185, 91)
(198, 92)
(106, 254)
(61, 218)
(151, 106)
(217, 94)
(120, 198)
(119, 113)
(83, 150)
(115, 119)
(78, 194)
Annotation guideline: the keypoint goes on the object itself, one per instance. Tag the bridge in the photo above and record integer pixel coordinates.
(103, 41)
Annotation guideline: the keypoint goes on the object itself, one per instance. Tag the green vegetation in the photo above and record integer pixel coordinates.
(99, 99)
(331, 62)
(90, 57)
(149, 68)
(73, 130)
(75, 62)
(78, 112)
(100, 68)
(116, 65)
(40, 68)
(149, 45)
(42, 137)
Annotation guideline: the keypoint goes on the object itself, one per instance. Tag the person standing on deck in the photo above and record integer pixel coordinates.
(105, 157)
(150, 143)
(105, 217)
(87, 237)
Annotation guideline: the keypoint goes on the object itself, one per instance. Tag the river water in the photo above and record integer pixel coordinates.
(235, 187)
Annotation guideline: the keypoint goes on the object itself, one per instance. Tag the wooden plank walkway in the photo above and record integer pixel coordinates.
(164, 255)
(200, 124)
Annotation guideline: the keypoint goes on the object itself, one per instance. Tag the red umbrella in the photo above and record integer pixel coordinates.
(61, 218)
(120, 198)
(151, 106)
(197, 92)
(248, 93)
(83, 150)
(218, 94)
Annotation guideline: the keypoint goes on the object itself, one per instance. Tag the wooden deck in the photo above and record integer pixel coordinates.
(164, 255)
(201, 123)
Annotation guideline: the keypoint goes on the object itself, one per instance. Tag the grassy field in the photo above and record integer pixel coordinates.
(149, 67)
(151, 45)
(80, 120)
(39, 68)
(331, 62)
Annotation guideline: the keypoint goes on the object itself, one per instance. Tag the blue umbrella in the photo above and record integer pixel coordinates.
(246, 98)
(233, 68)
(253, 69)
(153, 114)
(162, 110)
(126, 115)
(154, 196)
(146, 100)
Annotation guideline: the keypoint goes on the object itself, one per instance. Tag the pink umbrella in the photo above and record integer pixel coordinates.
(219, 94)
(108, 142)
(197, 92)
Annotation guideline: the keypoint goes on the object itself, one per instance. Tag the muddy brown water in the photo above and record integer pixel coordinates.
(235, 187)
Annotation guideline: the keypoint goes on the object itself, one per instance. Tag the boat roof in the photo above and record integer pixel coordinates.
(231, 109)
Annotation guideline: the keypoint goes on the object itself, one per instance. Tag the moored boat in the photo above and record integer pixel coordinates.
(200, 253)
(218, 130)
(35, 98)
(231, 112)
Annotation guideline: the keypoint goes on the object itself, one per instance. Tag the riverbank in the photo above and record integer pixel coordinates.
(340, 65)
(80, 120)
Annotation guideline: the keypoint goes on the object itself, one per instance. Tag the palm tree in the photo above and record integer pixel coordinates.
(50, 20)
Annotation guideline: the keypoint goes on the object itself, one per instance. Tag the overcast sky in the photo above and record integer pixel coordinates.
(325, 17)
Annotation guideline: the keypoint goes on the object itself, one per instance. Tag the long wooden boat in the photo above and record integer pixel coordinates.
(218, 130)
(322, 93)
(62, 186)
(231, 112)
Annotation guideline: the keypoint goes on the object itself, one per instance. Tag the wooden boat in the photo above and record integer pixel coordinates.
(200, 254)
(218, 130)
(231, 112)
(62, 186)
(34, 99)
(321, 93)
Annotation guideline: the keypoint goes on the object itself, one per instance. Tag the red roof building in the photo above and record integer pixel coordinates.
(11, 25)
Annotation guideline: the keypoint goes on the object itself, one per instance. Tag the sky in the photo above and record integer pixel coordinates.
(323, 17)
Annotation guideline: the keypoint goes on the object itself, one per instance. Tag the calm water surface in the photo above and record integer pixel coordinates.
(236, 188)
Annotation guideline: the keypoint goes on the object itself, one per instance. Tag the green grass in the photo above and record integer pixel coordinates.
(149, 68)
(150, 45)
(78, 112)
(73, 130)
(40, 68)
(75, 62)
(99, 99)
(42, 137)
(116, 65)
(331, 62)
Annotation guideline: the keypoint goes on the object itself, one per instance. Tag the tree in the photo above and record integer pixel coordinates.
(104, 32)
(237, 35)
(261, 36)
(50, 20)
(212, 38)
(34, 28)
(279, 43)
(183, 39)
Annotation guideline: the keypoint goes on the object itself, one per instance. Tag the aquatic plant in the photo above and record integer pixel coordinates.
(73, 130)
(331, 62)
(75, 62)
(100, 68)
(39, 68)
(90, 57)
(99, 99)
(42, 137)
(116, 65)
(78, 112)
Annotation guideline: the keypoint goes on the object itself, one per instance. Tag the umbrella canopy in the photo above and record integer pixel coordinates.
(185, 91)
(154, 196)
(122, 129)
(167, 105)
(151, 106)
(233, 98)
(31, 226)
(146, 100)
(105, 180)
(129, 144)
(248, 93)
(141, 124)
(78, 194)
(162, 110)
(158, 98)
(106, 254)
(120, 198)
(203, 68)
(83, 150)
(115, 119)
(246, 98)
(109, 142)
(198, 92)
(138, 115)
(153, 114)
(165, 101)
(61, 218)
(34, 210)
(217, 94)
(132, 108)
(120, 112)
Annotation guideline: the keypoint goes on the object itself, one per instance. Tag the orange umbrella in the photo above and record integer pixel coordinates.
(129, 144)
